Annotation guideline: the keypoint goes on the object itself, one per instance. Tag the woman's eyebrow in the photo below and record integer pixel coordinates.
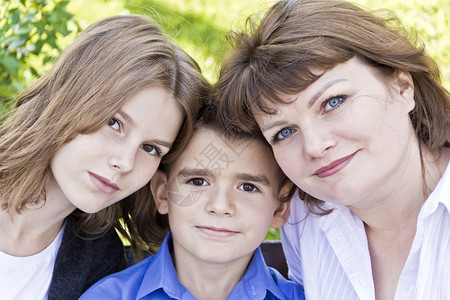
(322, 90)
(272, 125)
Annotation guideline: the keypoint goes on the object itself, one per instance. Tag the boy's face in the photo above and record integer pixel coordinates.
(221, 197)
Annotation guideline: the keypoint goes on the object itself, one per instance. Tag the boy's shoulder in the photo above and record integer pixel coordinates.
(264, 282)
(125, 283)
(288, 288)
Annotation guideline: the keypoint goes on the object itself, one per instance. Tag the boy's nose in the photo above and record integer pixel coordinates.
(220, 202)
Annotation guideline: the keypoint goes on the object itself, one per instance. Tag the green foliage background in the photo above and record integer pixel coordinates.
(30, 34)
(199, 26)
(39, 29)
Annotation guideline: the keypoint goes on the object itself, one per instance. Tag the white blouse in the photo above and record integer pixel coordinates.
(28, 277)
(329, 255)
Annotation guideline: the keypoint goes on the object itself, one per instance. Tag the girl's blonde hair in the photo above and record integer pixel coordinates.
(87, 85)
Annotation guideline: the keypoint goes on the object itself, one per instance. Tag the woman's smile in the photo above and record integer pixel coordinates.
(334, 166)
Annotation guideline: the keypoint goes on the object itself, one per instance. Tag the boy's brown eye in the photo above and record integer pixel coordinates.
(248, 187)
(197, 181)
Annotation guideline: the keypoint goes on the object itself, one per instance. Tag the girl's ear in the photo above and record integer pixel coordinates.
(281, 214)
(158, 186)
(405, 85)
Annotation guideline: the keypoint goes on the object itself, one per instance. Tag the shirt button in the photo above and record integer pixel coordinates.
(253, 290)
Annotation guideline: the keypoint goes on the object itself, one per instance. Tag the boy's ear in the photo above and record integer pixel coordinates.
(158, 186)
(281, 214)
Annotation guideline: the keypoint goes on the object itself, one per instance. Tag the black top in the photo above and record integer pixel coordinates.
(82, 262)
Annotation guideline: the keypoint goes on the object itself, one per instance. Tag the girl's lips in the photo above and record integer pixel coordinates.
(217, 232)
(334, 166)
(103, 184)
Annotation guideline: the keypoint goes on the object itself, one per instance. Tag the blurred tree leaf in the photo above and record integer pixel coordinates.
(30, 32)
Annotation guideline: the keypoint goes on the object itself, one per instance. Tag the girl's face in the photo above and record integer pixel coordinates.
(96, 170)
(347, 137)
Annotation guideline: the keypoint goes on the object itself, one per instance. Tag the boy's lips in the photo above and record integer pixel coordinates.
(103, 184)
(217, 232)
(334, 166)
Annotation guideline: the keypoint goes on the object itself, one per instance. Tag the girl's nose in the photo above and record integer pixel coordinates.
(124, 158)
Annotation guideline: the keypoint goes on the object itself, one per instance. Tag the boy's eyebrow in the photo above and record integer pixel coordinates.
(258, 178)
(191, 172)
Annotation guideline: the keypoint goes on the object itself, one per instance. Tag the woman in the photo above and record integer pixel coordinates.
(358, 120)
(89, 133)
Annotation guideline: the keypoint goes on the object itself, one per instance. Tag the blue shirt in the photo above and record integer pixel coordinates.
(156, 278)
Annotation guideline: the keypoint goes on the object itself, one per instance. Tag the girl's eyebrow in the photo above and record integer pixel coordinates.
(322, 90)
(162, 143)
(127, 118)
(132, 123)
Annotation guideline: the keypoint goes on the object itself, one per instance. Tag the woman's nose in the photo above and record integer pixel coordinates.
(317, 140)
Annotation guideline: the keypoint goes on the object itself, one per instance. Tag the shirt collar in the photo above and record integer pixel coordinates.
(255, 283)
(257, 280)
(162, 274)
(440, 194)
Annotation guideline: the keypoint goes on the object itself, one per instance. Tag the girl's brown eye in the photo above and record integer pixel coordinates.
(150, 149)
(114, 124)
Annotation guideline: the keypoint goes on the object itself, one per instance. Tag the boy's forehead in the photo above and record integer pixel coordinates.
(210, 150)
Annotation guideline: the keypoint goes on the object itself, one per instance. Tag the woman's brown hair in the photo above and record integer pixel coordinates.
(283, 53)
(106, 64)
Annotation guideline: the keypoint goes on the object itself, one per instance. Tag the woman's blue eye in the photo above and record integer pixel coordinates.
(248, 187)
(283, 133)
(333, 102)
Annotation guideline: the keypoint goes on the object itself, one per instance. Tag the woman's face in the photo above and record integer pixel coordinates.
(346, 137)
(96, 170)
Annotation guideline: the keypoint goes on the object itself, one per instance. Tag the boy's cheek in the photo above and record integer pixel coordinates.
(184, 197)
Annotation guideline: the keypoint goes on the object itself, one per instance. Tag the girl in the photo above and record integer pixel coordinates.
(89, 133)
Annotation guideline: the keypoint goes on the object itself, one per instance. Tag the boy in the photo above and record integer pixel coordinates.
(221, 195)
